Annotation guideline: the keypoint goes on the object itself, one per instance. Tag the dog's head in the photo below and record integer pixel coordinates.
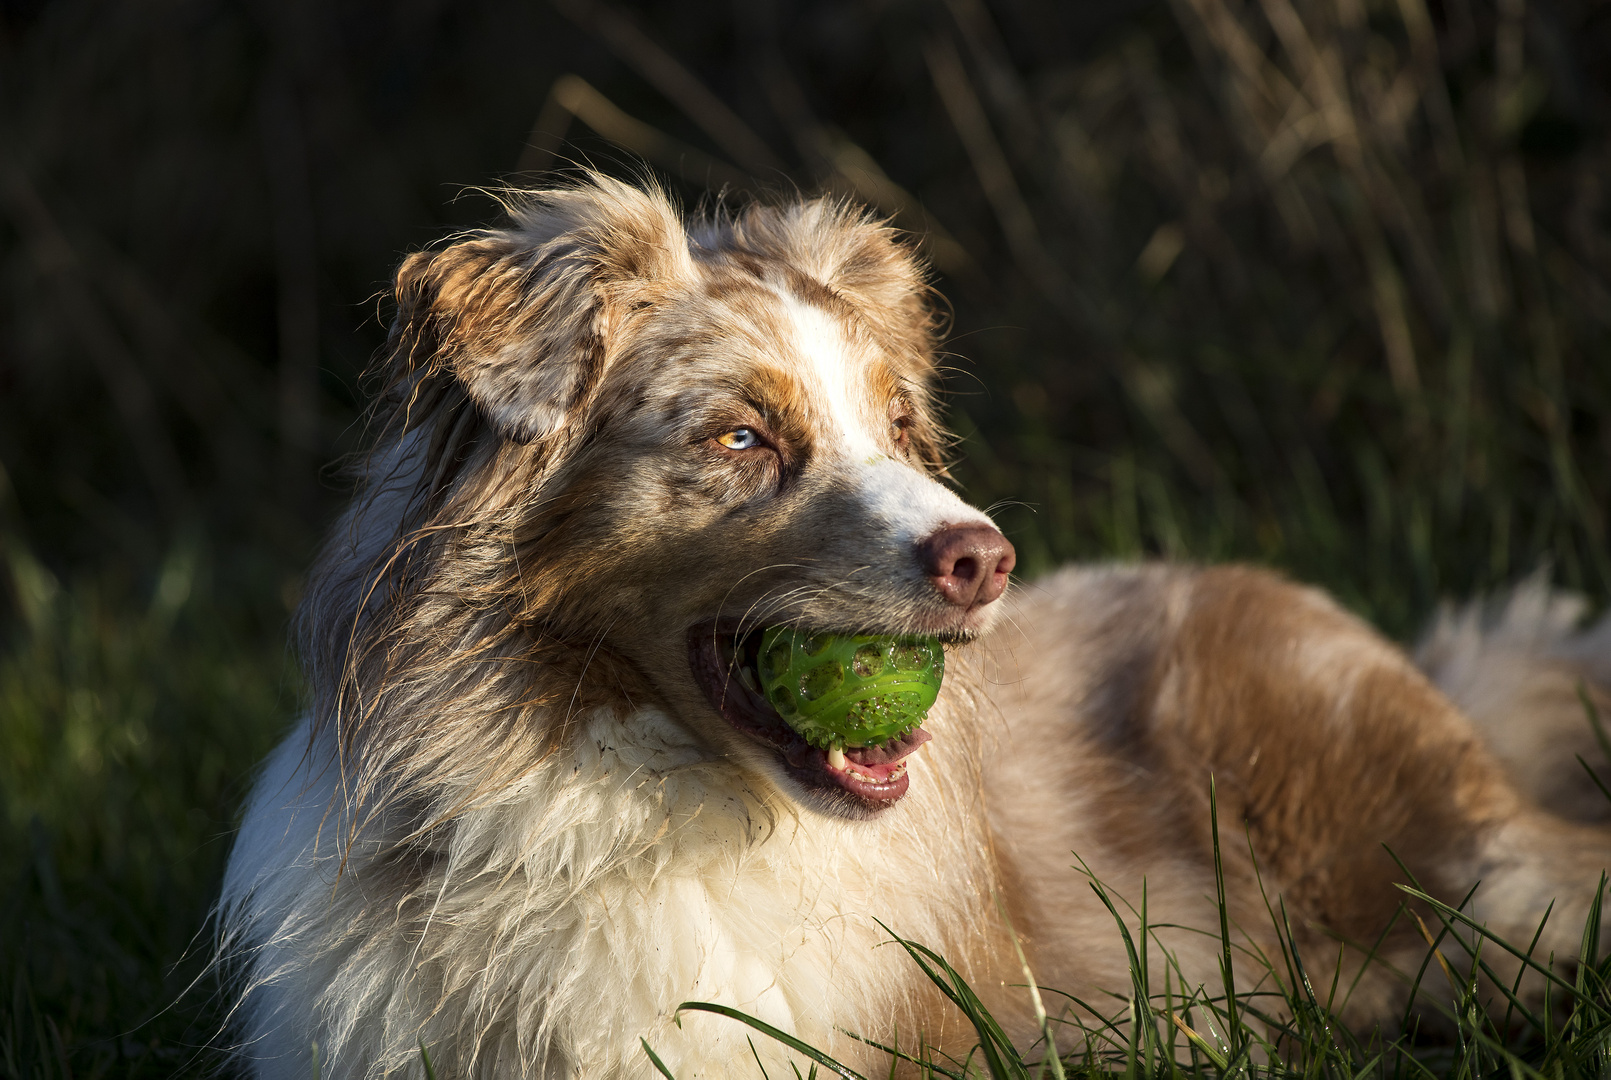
(647, 441)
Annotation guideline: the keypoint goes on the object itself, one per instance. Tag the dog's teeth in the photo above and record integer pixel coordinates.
(745, 677)
(836, 758)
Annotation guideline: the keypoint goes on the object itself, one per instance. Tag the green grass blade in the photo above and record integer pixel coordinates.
(897, 1055)
(1199, 1042)
(1445, 911)
(1532, 946)
(756, 1054)
(1587, 959)
(1233, 1025)
(654, 1059)
(1596, 724)
(997, 1050)
(1594, 776)
(1050, 1061)
(776, 1034)
(1138, 982)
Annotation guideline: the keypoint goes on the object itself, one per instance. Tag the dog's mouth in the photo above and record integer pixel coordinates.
(725, 665)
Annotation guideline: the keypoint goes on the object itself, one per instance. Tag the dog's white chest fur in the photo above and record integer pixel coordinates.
(630, 871)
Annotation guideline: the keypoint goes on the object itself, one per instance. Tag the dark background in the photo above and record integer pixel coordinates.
(1323, 285)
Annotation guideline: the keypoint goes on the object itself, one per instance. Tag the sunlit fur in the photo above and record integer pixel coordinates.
(513, 830)
(1526, 675)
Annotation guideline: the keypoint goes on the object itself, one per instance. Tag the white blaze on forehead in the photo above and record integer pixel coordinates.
(835, 380)
(907, 501)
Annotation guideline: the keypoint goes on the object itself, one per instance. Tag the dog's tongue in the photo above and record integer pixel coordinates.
(877, 773)
(889, 752)
(869, 757)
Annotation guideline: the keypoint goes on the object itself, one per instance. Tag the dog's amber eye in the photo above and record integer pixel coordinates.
(739, 438)
(898, 429)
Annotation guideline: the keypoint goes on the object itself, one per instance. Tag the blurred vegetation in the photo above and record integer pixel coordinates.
(128, 723)
(1320, 283)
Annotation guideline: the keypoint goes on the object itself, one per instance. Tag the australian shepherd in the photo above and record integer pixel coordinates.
(538, 801)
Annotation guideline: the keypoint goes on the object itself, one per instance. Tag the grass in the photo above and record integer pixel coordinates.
(129, 723)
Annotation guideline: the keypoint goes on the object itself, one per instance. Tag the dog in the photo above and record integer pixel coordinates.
(538, 800)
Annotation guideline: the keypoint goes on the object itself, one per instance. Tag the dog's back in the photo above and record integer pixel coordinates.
(1126, 691)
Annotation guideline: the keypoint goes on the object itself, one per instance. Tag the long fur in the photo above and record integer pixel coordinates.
(514, 830)
(1533, 680)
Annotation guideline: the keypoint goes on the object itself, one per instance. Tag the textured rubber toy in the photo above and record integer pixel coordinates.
(849, 690)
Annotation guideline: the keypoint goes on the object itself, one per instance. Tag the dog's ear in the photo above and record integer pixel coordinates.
(867, 264)
(863, 262)
(524, 318)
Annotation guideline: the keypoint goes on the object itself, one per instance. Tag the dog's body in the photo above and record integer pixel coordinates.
(536, 804)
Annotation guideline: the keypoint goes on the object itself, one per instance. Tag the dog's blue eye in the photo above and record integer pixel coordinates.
(739, 439)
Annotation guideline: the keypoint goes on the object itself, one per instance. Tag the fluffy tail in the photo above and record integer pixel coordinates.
(1532, 681)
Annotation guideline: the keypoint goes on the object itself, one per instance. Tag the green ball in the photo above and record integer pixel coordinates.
(861, 690)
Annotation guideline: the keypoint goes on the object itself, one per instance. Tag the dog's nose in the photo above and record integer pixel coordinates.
(969, 564)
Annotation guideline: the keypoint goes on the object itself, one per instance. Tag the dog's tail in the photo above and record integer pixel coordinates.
(1537, 684)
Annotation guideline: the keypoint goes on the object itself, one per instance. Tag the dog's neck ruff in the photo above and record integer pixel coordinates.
(629, 870)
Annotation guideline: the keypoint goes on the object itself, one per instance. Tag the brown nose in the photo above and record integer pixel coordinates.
(969, 564)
